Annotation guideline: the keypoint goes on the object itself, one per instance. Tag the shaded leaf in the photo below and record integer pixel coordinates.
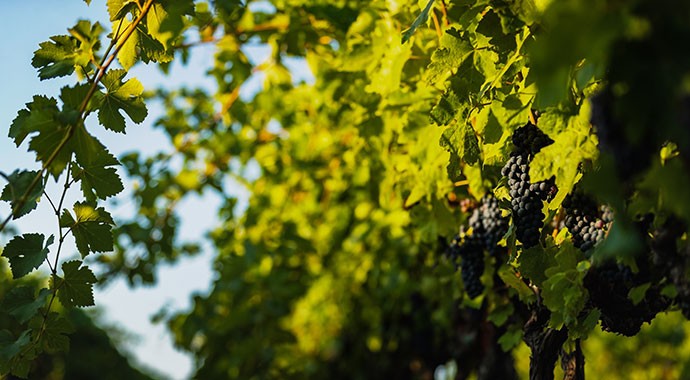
(454, 49)
(421, 19)
(10, 360)
(26, 253)
(563, 291)
(55, 329)
(94, 167)
(459, 139)
(62, 54)
(16, 190)
(21, 302)
(91, 228)
(117, 9)
(56, 58)
(75, 288)
(120, 96)
(39, 114)
(573, 145)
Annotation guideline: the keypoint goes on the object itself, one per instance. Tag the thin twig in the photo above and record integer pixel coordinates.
(437, 25)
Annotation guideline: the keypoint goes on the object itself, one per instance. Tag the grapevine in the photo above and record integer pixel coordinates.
(541, 146)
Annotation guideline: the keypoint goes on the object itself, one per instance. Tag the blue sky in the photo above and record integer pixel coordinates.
(26, 24)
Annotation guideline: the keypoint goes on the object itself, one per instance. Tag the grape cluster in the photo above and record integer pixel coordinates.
(526, 197)
(586, 221)
(488, 224)
(470, 251)
(487, 228)
(608, 285)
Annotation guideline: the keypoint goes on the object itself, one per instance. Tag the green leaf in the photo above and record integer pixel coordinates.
(510, 339)
(21, 302)
(55, 328)
(125, 96)
(165, 20)
(476, 183)
(454, 49)
(117, 9)
(56, 58)
(387, 74)
(573, 145)
(61, 55)
(583, 326)
(669, 291)
(26, 253)
(447, 107)
(98, 181)
(46, 144)
(43, 116)
(73, 96)
(500, 312)
(511, 279)
(10, 349)
(637, 293)
(88, 150)
(75, 288)
(141, 45)
(534, 262)
(128, 51)
(563, 291)
(91, 228)
(94, 167)
(150, 49)
(421, 19)
(460, 140)
(16, 189)
(39, 114)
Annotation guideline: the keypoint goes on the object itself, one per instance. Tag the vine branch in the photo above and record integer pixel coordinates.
(116, 42)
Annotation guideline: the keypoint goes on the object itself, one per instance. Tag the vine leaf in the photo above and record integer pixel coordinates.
(94, 167)
(10, 347)
(165, 20)
(21, 303)
(454, 49)
(511, 279)
(534, 262)
(573, 144)
(91, 228)
(19, 182)
(62, 54)
(459, 139)
(73, 96)
(125, 96)
(128, 50)
(141, 45)
(26, 253)
(117, 9)
(421, 19)
(39, 114)
(56, 58)
(98, 180)
(55, 329)
(43, 116)
(76, 287)
(46, 143)
(447, 107)
(563, 291)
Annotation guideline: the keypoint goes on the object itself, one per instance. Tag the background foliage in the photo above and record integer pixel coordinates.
(360, 179)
